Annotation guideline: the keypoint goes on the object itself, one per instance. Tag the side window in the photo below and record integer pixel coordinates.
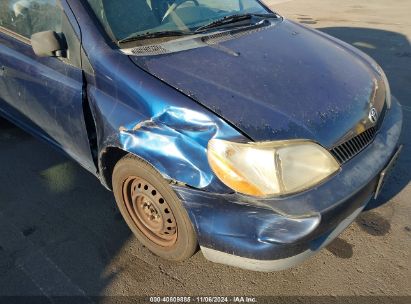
(27, 17)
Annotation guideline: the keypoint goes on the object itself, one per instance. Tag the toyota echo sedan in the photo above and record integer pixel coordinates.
(217, 124)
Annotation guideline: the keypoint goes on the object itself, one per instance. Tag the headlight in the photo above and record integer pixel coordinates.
(270, 168)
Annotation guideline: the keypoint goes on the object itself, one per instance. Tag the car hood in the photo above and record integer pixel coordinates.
(281, 82)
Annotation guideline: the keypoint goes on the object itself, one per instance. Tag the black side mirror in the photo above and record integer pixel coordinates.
(49, 44)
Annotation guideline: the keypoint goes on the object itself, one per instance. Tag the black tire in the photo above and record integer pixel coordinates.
(147, 212)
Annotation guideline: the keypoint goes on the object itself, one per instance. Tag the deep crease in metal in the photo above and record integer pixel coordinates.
(175, 140)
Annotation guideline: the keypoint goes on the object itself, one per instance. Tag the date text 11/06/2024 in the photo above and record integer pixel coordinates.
(234, 299)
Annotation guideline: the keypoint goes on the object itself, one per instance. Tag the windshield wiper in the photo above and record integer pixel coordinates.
(151, 35)
(233, 19)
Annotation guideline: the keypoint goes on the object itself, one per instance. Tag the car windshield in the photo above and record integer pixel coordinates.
(123, 19)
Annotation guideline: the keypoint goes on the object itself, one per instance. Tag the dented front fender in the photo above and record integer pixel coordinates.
(169, 131)
(175, 142)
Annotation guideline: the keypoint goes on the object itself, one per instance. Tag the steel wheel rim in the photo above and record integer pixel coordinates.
(149, 211)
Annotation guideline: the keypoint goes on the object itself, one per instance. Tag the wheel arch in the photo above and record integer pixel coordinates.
(110, 156)
(107, 161)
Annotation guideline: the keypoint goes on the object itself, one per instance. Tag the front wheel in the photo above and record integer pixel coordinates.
(152, 210)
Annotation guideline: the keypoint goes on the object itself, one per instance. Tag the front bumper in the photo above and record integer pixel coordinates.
(278, 233)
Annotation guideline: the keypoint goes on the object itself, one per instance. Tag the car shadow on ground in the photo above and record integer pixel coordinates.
(59, 228)
(49, 204)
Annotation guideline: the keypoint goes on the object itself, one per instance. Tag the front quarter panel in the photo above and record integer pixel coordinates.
(171, 136)
(138, 113)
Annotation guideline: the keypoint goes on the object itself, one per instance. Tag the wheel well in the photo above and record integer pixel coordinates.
(109, 159)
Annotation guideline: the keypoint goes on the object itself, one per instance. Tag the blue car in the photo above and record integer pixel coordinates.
(217, 124)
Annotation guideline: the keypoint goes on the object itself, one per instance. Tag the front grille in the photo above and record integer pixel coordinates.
(347, 150)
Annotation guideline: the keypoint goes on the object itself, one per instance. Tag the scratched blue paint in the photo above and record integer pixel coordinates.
(285, 82)
(258, 236)
(294, 86)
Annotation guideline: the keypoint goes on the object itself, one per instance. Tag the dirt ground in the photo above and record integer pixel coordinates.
(61, 235)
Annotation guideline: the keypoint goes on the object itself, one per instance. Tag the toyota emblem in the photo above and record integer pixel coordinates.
(373, 115)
